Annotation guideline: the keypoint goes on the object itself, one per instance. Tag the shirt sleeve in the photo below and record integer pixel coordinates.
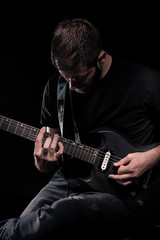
(49, 113)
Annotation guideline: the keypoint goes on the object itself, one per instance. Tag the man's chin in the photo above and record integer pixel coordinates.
(81, 91)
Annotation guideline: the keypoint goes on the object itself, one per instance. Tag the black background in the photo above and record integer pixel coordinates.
(131, 31)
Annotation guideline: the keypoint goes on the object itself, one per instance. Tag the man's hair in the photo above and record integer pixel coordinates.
(75, 42)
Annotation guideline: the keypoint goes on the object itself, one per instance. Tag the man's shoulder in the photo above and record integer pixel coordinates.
(53, 79)
(51, 83)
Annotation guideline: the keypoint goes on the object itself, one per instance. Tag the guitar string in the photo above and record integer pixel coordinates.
(28, 134)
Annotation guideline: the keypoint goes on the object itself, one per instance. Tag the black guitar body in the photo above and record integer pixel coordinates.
(143, 194)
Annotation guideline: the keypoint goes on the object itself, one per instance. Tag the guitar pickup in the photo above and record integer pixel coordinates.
(105, 161)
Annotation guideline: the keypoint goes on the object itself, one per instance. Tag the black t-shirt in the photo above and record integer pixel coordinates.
(127, 99)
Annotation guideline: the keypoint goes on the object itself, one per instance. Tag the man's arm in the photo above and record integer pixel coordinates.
(45, 155)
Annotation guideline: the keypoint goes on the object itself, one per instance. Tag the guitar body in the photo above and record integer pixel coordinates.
(141, 195)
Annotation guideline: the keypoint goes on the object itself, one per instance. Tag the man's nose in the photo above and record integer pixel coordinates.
(72, 85)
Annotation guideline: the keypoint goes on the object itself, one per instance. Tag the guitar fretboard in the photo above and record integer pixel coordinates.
(77, 150)
(18, 128)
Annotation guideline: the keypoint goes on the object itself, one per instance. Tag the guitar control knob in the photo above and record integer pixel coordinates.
(140, 203)
(133, 193)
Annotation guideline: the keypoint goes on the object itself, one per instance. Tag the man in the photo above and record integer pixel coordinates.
(102, 92)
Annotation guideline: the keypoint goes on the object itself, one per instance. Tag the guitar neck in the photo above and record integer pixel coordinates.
(18, 128)
(77, 150)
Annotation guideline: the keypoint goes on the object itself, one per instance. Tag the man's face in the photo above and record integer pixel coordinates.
(81, 78)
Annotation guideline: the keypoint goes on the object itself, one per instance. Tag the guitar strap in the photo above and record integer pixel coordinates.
(61, 92)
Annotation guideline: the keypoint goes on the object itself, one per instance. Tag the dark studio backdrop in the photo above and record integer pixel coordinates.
(25, 67)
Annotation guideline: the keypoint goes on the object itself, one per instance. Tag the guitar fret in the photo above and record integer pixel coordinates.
(4, 124)
(9, 122)
(33, 133)
(69, 148)
(20, 129)
(26, 131)
(12, 127)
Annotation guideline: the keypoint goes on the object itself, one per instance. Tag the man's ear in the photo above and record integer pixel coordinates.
(101, 58)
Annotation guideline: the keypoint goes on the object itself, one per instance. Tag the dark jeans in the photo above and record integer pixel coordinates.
(67, 207)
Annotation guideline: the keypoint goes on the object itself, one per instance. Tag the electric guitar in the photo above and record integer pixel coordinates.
(110, 148)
